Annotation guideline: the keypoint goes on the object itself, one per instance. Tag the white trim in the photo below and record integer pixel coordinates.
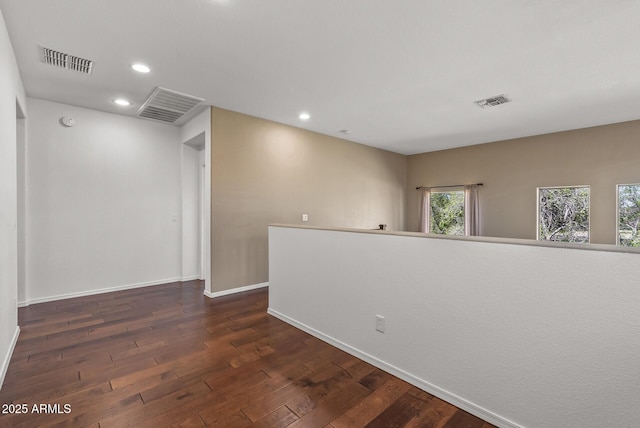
(235, 290)
(190, 278)
(618, 212)
(408, 377)
(98, 291)
(7, 358)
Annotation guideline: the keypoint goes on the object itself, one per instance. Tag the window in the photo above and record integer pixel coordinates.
(447, 213)
(563, 214)
(629, 215)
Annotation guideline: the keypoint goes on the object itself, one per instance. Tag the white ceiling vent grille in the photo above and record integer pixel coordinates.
(64, 60)
(493, 101)
(166, 105)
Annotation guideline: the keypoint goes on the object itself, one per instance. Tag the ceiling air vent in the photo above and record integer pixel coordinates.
(493, 101)
(64, 60)
(166, 105)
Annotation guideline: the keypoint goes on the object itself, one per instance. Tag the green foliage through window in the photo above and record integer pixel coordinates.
(447, 213)
(563, 214)
(629, 215)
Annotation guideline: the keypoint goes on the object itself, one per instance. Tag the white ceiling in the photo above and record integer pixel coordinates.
(401, 75)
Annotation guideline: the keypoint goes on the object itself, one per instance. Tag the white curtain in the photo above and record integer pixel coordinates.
(472, 211)
(425, 209)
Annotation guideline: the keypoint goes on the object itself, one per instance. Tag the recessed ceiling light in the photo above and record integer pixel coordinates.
(141, 68)
(304, 116)
(122, 102)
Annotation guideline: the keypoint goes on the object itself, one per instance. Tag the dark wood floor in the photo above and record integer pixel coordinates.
(168, 356)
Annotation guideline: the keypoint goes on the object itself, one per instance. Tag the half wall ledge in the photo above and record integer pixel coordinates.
(487, 239)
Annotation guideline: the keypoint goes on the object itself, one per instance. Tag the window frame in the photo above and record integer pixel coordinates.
(587, 186)
(618, 212)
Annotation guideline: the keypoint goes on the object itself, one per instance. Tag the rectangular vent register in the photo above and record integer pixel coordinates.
(65, 60)
(168, 106)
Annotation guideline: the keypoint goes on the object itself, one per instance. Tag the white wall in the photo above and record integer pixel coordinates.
(201, 124)
(520, 335)
(103, 202)
(11, 92)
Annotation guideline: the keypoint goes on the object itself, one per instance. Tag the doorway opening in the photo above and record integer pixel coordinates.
(193, 208)
(21, 132)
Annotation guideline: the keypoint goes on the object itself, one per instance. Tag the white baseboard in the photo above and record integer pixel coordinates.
(190, 278)
(7, 357)
(235, 290)
(399, 373)
(98, 291)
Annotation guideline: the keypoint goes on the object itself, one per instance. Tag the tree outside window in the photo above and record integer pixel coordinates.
(563, 214)
(629, 215)
(447, 213)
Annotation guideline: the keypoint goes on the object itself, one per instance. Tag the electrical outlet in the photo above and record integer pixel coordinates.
(380, 323)
(305, 217)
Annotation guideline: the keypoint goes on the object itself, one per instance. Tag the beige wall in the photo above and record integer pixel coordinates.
(511, 171)
(264, 172)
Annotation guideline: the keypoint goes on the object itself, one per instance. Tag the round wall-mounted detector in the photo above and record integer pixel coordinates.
(68, 121)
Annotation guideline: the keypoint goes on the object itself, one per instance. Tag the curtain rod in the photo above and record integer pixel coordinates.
(450, 185)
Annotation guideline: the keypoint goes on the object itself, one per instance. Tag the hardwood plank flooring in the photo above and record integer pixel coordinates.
(166, 356)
